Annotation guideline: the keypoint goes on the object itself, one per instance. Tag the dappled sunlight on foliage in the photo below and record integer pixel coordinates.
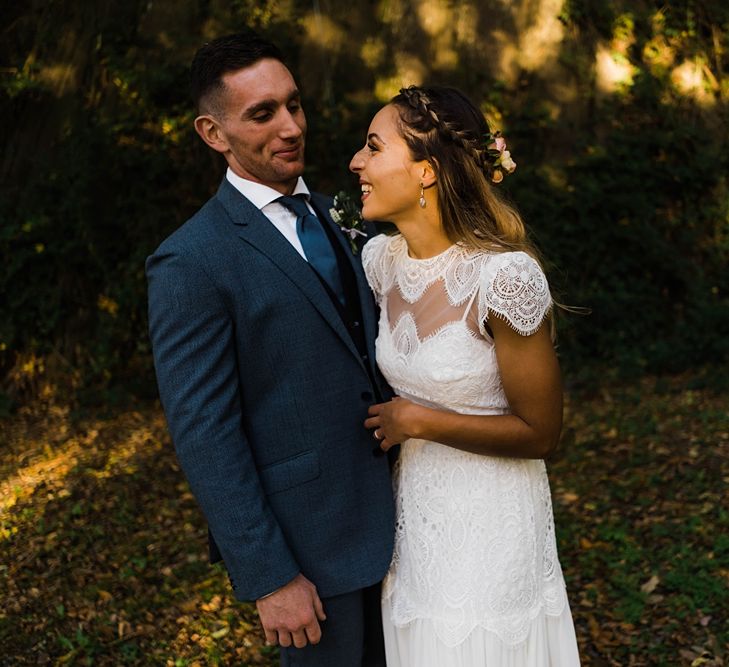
(616, 113)
(107, 559)
(108, 550)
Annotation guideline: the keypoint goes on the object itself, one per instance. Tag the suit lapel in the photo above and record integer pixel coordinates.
(256, 230)
(369, 315)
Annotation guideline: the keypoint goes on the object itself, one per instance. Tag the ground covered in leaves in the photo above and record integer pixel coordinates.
(104, 552)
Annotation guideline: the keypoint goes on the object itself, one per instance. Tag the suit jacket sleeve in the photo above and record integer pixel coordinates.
(198, 376)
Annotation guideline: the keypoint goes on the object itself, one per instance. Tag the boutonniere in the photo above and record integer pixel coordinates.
(346, 214)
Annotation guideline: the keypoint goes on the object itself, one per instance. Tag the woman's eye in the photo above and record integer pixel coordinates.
(372, 148)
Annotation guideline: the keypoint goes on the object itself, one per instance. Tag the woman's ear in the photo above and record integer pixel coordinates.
(209, 130)
(427, 174)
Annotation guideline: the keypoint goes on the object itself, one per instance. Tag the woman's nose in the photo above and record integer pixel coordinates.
(355, 164)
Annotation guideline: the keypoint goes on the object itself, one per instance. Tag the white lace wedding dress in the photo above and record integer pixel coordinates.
(475, 579)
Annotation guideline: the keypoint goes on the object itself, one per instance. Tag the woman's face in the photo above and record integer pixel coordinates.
(389, 178)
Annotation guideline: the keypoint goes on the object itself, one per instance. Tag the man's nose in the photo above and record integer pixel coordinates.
(290, 128)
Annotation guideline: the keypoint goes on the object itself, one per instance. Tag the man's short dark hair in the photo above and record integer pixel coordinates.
(221, 56)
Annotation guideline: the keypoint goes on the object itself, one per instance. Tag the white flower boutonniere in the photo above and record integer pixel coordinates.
(346, 214)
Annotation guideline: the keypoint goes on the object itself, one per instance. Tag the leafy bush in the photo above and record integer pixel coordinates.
(626, 191)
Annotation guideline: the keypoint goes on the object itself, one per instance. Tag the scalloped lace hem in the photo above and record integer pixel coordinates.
(549, 642)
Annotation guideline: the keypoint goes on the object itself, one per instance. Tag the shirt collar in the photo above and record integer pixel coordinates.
(262, 195)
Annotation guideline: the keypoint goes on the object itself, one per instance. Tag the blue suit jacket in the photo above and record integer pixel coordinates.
(265, 396)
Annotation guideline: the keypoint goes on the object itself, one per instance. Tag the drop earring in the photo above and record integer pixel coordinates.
(422, 201)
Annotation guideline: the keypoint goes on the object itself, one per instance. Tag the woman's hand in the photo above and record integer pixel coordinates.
(394, 421)
(531, 380)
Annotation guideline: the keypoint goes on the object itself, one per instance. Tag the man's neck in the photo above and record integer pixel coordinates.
(262, 194)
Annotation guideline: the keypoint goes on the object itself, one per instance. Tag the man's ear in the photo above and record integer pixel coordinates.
(209, 130)
(427, 174)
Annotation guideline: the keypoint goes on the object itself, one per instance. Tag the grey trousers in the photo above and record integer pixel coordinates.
(351, 636)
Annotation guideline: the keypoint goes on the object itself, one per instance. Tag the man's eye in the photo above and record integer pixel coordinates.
(262, 116)
(294, 107)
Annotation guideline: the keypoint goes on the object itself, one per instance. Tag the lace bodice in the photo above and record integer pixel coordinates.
(433, 342)
(475, 541)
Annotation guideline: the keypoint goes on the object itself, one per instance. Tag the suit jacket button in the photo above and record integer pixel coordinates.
(365, 357)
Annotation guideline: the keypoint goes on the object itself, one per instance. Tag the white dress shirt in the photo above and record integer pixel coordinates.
(264, 198)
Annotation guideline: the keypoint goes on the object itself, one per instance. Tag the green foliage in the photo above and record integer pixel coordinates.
(633, 207)
(79, 219)
(626, 191)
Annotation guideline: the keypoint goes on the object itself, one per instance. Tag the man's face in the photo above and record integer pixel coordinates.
(262, 127)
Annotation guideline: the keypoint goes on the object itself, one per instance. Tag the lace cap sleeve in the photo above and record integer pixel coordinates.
(514, 287)
(374, 260)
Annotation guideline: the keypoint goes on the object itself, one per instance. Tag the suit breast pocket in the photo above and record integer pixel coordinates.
(291, 472)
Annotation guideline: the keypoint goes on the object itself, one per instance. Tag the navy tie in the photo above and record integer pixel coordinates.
(316, 245)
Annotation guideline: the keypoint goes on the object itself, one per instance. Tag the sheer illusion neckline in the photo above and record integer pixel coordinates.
(456, 267)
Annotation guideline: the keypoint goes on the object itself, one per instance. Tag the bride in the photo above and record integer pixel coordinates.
(465, 341)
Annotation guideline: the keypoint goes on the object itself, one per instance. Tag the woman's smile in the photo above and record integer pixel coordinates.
(389, 178)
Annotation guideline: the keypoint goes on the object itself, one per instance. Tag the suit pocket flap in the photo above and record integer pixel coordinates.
(290, 472)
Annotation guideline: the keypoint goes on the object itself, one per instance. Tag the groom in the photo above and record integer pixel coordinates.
(263, 329)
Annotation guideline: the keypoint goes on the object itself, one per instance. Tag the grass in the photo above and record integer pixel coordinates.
(105, 551)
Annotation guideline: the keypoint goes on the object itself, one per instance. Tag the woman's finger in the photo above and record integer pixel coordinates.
(386, 444)
(372, 422)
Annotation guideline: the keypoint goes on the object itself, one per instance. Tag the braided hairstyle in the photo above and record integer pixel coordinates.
(441, 125)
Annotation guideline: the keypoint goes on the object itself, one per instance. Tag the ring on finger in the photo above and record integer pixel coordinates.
(378, 435)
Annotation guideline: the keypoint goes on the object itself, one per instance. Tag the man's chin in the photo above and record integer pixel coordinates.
(291, 171)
